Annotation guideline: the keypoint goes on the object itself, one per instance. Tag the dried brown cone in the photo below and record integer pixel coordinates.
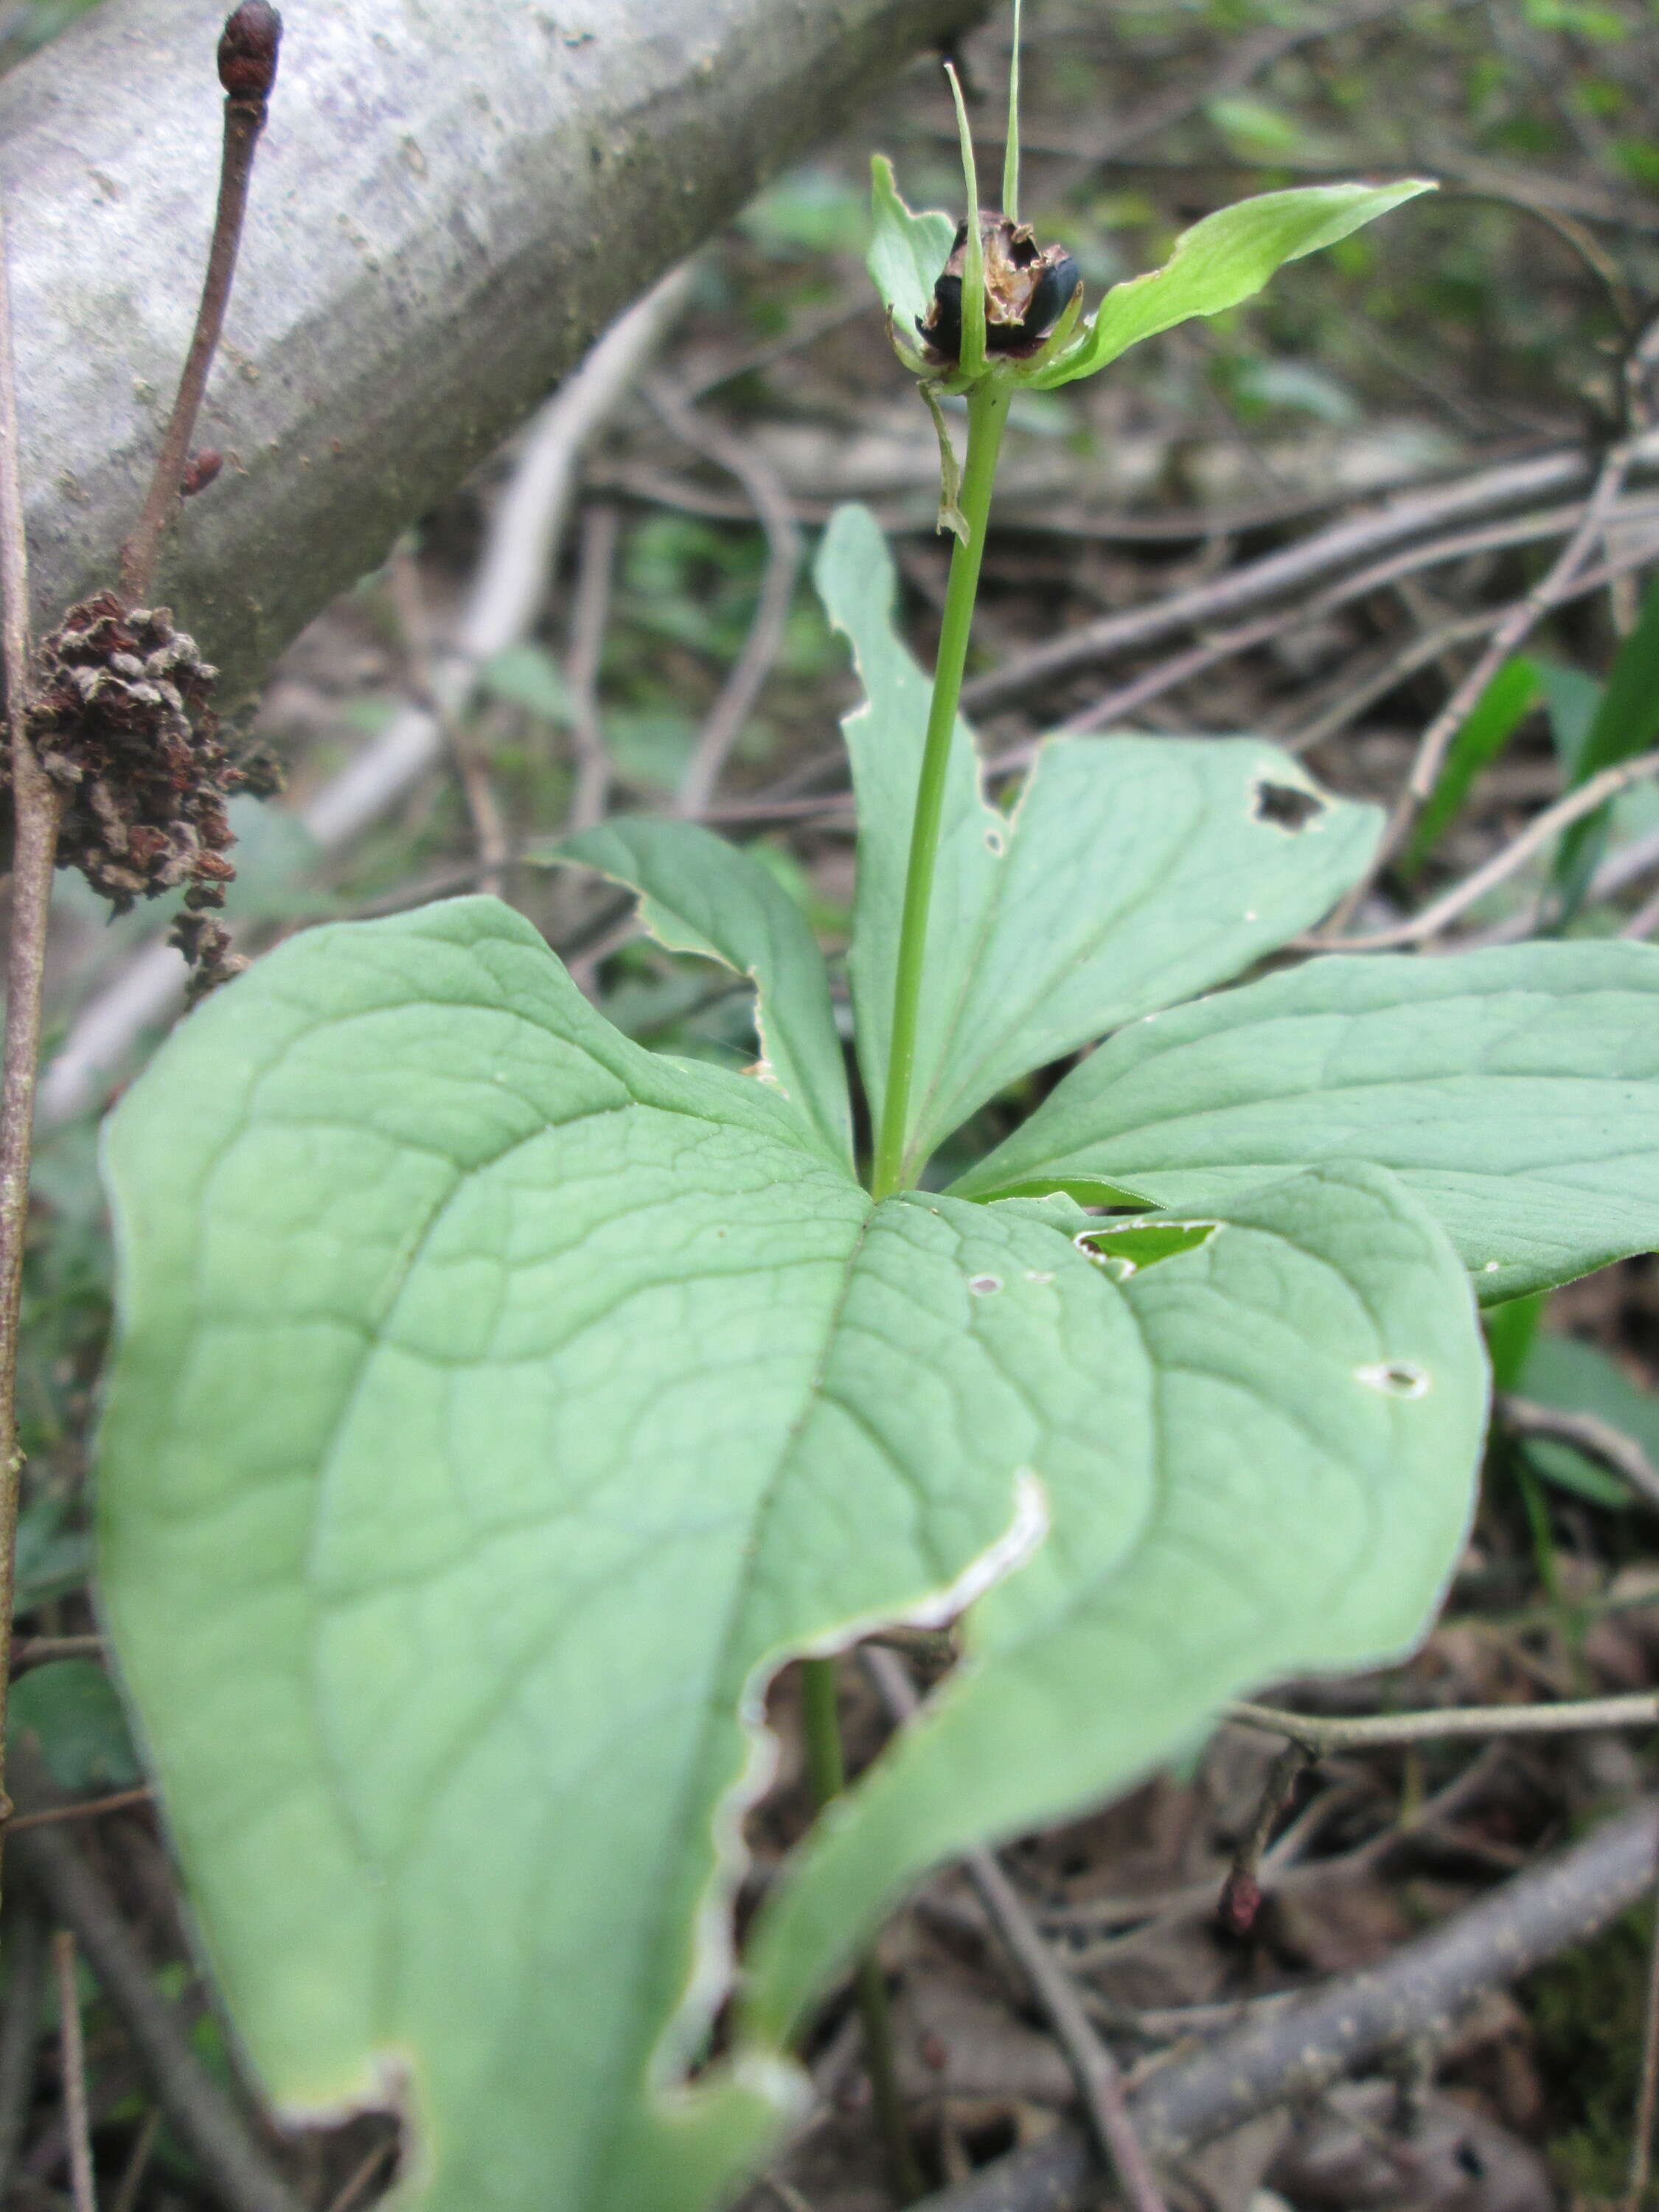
(247, 51)
(122, 722)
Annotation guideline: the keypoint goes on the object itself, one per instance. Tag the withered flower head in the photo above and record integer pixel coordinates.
(122, 724)
(1026, 290)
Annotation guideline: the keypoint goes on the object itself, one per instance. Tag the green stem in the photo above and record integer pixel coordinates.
(988, 411)
(826, 1774)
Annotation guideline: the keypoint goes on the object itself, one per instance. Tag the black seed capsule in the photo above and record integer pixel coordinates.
(1026, 291)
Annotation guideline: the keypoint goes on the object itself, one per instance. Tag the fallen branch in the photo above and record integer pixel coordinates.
(196, 2106)
(1312, 561)
(1093, 2069)
(1301, 2047)
(36, 808)
(1316, 1735)
(1587, 798)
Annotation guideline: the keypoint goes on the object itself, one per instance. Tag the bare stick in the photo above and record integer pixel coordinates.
(195, 2104)
(28, 1652)
(88, 1809)
(1647, 2094)
(77, 2124)
(1410, 519)
(471, 758)
(1241, 1894)
(1316, 1735)
(1093, 2069)
(725, 720)
(1586, 799)
(247, 69)
(20, 2025)
(143, 2146)
(590, 613)
(1589, 1433)
(1645, 919)
(1517, 624)
(36, 808)
(1299, 2047)
(361, 2176)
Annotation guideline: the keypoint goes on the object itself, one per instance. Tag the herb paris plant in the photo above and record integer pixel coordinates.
(498, 1406)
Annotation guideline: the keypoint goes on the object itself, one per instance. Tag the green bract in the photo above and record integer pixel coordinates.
(1219, 262)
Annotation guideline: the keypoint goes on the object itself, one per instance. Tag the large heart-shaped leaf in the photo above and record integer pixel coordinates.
(698, 893)
(1516, 1090)
(497, 1406)
(1304, 1421)
(1133, 872)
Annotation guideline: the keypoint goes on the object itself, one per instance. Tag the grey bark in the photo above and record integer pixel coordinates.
(453, 197)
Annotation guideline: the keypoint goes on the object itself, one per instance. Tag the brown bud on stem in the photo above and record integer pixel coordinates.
(247, 51)
(199, 471)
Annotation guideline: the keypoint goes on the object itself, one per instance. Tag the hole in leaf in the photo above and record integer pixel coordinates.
(982, 1286)
(1125, 1252)
(1286, 805)
(995, 843)
(1400, 1378)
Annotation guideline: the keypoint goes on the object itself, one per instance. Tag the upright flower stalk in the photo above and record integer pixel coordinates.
(980, 310)
(988, 413)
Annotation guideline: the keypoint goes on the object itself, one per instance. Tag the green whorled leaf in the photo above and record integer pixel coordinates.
(1291, 1458)
(1133, 872)
(1516, 1090)
(1576, 1377)
(1222, 260)
(698, 893)
(907, 251)
(495, 1406)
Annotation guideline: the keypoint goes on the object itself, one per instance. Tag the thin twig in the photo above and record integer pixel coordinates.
(245, 118)
(725, 721)
(1539, 832)
(1295, 2049)
(1516, 626)
(1347, 545)
(589, 616)
(194, 2102)
(1093, 2069)
(471, 758)
(1597, 1439)
(36, 808)
(28, 1652)
(85, 1808)
(1241, 1894)
(1197, 659)
(77, 2124)
(138, 2158)
(1647, 2094)
(1316, 1735)
(1644, 921)
(361, 2174)
(25, 1950)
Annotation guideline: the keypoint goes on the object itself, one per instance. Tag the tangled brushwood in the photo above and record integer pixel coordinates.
(123, 723)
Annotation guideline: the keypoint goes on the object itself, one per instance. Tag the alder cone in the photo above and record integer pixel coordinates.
(123, 724)
(247, 51)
